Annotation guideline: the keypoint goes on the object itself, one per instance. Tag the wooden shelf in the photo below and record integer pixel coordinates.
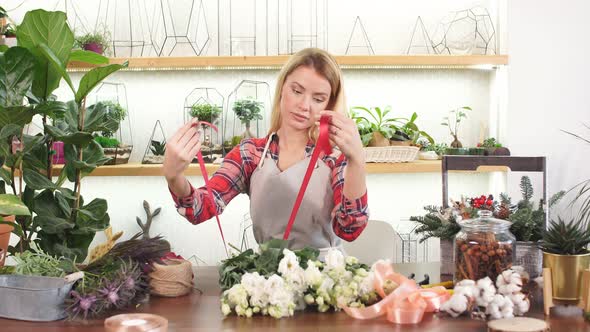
(275, 62)
(419, 166)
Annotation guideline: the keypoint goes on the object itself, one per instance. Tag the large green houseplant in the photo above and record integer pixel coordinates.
(61, 222)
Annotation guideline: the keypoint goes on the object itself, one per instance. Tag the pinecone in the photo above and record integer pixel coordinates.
(503, 212)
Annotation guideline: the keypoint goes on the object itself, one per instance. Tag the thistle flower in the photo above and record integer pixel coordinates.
(81, 304)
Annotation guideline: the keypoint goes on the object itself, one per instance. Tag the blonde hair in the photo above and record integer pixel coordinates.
(324, 64)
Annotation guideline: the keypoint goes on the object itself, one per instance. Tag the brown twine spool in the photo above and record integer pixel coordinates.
(171, 279)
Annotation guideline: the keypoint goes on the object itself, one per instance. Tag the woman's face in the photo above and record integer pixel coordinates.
(305, 94)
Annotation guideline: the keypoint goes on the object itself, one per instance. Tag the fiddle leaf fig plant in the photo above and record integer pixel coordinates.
(59, 221)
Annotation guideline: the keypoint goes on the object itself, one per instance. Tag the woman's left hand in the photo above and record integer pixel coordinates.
(344, 134)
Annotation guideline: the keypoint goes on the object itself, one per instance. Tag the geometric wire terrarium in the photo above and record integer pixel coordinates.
(128, 27)
(206, 104)
(154, 151)
(117, 142)
(245, 114)
(178, 26)
(469, 31)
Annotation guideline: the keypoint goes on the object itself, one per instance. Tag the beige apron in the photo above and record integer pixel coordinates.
(273, 193)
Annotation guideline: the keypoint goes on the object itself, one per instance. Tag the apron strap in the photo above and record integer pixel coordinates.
(323, 144)
(263, 156)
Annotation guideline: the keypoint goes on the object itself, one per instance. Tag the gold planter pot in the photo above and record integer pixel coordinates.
(566, 274)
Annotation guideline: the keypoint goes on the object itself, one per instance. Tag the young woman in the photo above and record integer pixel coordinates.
(271, 169)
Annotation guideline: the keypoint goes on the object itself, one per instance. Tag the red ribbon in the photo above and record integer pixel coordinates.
(406, 304)
(323, 144)
(206, 178)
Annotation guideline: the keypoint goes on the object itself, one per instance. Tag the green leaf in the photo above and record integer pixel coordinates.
(53, 225)
(49, 28)
(10, 130)
(97, 119)
(53, 109)
(88, 57)
(92, 78)
(37, 181)
(64, 204)
(12, 205)
(92, 217)
(4, 48)
(19, 115)
(77, 138)
(16, 75)
(5, 175)
(93, 156)
(56, 64)
(45, 205)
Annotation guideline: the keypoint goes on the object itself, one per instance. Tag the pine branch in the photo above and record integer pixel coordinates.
(526, 188)
(505, 199)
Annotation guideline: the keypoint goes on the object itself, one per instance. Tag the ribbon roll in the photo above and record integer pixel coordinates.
(406, 304)
(136, 323)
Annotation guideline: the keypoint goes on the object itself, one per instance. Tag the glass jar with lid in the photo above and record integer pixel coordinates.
(484, 247)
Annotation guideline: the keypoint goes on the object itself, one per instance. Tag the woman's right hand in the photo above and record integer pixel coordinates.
(180, 151)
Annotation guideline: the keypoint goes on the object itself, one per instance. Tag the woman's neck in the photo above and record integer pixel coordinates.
(290, 139)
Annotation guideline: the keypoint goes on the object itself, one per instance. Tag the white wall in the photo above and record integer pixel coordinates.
(547, 77)
(548, 85)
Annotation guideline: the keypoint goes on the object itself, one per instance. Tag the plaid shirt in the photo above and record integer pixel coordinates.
(349, 217)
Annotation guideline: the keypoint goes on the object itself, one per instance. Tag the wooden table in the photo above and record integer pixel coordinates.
(200, 312)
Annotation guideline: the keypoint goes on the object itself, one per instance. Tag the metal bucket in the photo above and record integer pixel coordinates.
(33, 298)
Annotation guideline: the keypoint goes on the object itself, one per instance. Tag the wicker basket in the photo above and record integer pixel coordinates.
(447, 267)
(529, 256)
(391, 154)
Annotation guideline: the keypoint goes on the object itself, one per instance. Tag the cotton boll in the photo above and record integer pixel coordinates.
(456, 305)
(509, 282)
(521, 303)
(467, 287)
(486, 292)
(500, 307)
(524, 275)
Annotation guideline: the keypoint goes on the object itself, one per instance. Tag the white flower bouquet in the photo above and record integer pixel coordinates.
(278, 281)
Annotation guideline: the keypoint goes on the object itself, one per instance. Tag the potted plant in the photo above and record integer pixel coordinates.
(430, 151)
(375, 128)
(248, 110)
(230, 144)
(114, 114)
(452, 121)
(97, 42)
(209, 113)
(493, 147)
(408, 133)
(158, 148)
(565, 252)
(61, 222)
(10, 206)
(205, 112)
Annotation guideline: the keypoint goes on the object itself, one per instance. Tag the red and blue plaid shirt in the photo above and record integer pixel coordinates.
(349, 217)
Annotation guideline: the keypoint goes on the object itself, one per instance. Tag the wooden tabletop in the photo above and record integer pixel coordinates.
(200, 312)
